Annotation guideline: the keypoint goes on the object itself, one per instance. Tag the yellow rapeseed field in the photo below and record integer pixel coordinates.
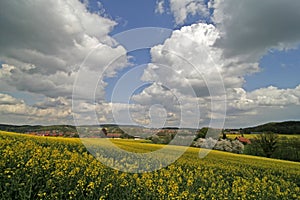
(58, 168)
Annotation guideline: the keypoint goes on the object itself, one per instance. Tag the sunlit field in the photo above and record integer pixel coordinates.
(57, 168)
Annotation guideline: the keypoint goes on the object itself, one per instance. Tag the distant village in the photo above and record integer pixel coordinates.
(53, 133)
(138, 132)
(115, 132)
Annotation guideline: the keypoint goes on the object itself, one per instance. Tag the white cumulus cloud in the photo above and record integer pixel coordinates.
(46, 42)
(182, 8)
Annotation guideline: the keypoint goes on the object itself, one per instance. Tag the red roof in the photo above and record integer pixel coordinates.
(243, 140)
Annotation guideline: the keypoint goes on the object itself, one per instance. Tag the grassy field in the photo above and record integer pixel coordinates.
(58, 168)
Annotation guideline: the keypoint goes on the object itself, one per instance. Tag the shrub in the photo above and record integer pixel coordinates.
(234, 146)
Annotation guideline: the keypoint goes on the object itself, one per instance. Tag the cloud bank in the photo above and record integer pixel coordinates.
(41, 56)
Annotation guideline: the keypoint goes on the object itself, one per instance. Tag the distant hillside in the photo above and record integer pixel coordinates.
(288, 127)
(28, 128)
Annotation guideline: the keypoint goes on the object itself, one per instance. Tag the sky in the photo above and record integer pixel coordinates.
(184, 63)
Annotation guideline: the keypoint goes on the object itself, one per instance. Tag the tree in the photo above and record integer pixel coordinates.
(104, 131)
(268, 142)
(237, 146)
(207, 143)
(224, 145)
(155, 139)
(201, 133)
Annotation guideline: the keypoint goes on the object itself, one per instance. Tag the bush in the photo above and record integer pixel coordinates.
(224, 145)
(287, 149)
(234, 146)
(237, 146)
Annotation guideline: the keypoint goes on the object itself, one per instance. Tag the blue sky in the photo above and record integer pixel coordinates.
(253, 48)
(278, 68)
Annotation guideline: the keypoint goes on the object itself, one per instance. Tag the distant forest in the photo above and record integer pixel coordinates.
(288, 127)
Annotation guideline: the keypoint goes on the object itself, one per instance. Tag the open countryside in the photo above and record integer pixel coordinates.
(60, 168)
(149, 100)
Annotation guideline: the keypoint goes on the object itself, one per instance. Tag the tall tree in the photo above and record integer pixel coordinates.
(268, 142)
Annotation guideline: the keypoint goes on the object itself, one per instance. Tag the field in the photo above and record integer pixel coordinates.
(57, 168)
(251, 136)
